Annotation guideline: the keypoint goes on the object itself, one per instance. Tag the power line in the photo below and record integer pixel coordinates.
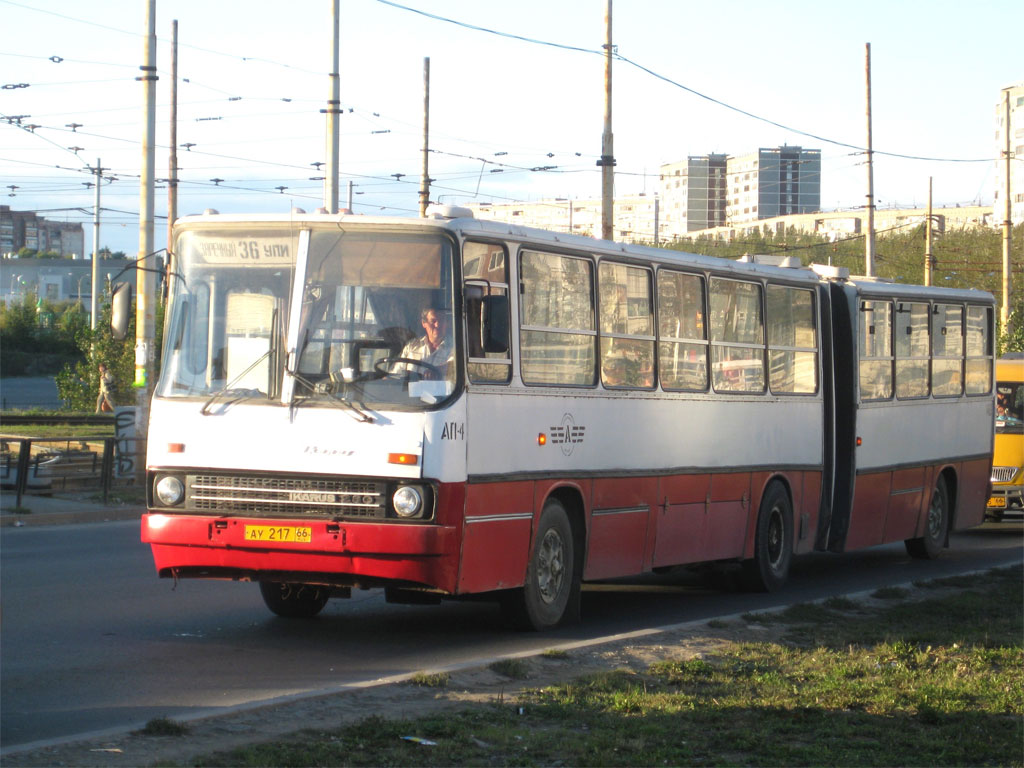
(677, 84)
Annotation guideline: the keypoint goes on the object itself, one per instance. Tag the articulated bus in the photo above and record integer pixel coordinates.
(605, 411)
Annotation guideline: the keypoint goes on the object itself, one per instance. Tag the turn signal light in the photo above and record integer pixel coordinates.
(407, 459)
(175, 447)
(542, 439)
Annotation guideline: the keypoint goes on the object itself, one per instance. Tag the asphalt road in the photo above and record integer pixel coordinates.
(29, 392)
(92, 640)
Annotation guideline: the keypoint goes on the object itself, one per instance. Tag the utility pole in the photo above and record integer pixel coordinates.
(94, 298)
(869, 239)
(607, 161)
(425, 178)
(657, 240)
(928, 239)
(1004, 312)
(172, 161)
(333, 111)
(145, 280)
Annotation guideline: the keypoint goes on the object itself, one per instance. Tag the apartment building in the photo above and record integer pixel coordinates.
(25, 229)
(771, 182)
(693, 193)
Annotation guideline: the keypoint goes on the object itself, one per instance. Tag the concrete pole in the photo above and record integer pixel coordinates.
(869, 238)
(172, 161)
(607, 161)
(657, 211)
(145, 281)
(928, 239)
(333, 111)
(94, 297)
(425, 177)
(1004, 312)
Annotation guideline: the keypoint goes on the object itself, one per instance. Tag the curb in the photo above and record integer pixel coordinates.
(9, 519)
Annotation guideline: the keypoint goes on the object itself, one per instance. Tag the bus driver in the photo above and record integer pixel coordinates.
(435, 347)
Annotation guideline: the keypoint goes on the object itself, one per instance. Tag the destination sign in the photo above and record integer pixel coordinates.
(266, 251)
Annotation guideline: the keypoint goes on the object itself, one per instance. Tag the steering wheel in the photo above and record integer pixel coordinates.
(384, 365)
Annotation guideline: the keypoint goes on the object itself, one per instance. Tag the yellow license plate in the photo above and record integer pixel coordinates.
(283, 533)
(997, 501)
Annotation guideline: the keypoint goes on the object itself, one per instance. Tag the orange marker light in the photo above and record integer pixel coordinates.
(859, 441)
(175, 447)
(542, 439)
(407, 459)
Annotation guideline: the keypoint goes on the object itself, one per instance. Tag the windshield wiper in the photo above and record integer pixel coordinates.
(239, 393)
(339, 401)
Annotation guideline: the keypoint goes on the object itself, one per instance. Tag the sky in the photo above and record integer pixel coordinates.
(516, 99)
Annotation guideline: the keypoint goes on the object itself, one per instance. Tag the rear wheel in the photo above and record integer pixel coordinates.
(773, 542)
(293, 601)
(929, 546)
(551, 592)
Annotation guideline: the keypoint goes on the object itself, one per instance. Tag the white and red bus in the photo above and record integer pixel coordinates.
(605, 410)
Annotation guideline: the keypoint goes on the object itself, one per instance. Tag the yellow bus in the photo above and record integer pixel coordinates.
(1008, 460)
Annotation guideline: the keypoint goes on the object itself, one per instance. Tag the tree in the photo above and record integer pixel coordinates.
(1014, 340)
(78, 384)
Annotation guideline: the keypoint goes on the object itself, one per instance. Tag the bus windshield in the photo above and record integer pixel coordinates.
(1010, 406)
(370, 324)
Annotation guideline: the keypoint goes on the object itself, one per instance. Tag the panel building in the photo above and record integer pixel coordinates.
(24, 229)
(693, 193)
(772, 182)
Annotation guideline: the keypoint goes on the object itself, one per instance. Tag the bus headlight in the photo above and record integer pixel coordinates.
(169, 490)
(407, 501)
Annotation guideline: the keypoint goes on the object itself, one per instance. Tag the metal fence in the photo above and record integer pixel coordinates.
(45, 466)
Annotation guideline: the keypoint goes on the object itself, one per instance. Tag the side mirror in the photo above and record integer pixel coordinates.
(120, 310)
(494, 332)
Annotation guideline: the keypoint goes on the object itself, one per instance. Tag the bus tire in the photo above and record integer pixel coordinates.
(773, 542)
(936, 526)
(551, 592)
(293, 601)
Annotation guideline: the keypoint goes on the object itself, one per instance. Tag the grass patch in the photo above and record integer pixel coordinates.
(932, 682)
(517, 669)
(427, 680)
(164, 726)
(890, 593)
(555, 654)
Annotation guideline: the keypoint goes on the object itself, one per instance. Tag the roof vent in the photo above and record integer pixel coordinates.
(770, 260)
(448, 212)
(297, 211)
(211, 212)
(830, 272)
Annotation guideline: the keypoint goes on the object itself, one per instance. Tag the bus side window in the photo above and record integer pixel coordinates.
(627, 326)
(979, 351)
(558, 335)
(485, 277)
(792, 340)
(947, 350)
(737, 336)
(682, 332)
(874, 339)
(912, 349)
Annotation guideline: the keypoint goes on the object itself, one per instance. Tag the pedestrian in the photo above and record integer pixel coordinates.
(105, 399)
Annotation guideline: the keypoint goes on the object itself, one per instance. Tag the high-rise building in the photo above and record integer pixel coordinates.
(1016, 133)
(693, 193)
(771, 182)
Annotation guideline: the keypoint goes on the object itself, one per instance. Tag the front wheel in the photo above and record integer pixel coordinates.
(552, 590)
(773, 542)
(929, 546)
(293, 601)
